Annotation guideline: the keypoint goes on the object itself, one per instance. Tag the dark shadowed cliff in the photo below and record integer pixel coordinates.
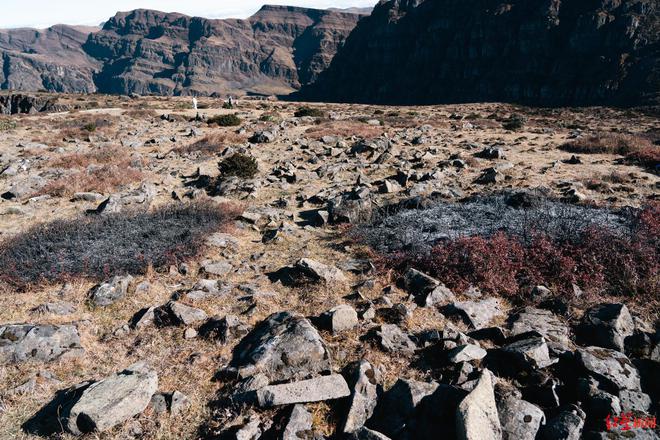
(542, 52)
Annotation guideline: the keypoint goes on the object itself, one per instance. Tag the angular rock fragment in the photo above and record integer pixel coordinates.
(398, 404)
(298, 425)
(466, 353)
(321, 272)
(363, 381)
(367, 434)
(111, 291)
(284, 346)
(607, 326)
(479, 313)
(174, 313)
(477, 417)
(113, 400)
(520, 420)
(609, 366)
(544, 322)
(27, 342)
(340, 318)
(392, 339)
(311, 390)
(567, 425)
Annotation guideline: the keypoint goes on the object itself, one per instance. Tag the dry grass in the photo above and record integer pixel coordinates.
(344, 129)
(104, 179)
(607, 143)
(212, 144)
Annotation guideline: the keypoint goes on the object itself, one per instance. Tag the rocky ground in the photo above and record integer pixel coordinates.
(283, 327)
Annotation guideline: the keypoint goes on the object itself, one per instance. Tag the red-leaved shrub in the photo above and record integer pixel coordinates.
(599, 262)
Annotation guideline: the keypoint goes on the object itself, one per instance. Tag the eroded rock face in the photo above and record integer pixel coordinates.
(284, 346)
(274, 51)
(12, 104)
(26, 342)
(540, 52)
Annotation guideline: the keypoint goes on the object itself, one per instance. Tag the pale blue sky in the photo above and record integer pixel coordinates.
(44, 13)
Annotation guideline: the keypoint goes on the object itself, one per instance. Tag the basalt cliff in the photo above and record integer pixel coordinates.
(540, 52)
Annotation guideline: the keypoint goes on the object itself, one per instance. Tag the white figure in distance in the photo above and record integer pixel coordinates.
(194, 103)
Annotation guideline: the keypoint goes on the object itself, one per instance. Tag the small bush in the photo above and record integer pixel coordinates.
(225, 120)
(90, 128)
(605, 143)
(507, 251)
(309, 111)
(7, 124)
(636, 150)
(647, 157)
(238, 165)
(98, 247)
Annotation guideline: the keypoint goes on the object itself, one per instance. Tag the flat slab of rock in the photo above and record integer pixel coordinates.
(477, 314)
(113, 400)
(311, 390)
(610, 365)
(476, 416)
(284, 346)
(27, 342)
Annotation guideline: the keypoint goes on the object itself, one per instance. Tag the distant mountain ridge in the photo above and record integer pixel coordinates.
(276, 50)
(539, 52)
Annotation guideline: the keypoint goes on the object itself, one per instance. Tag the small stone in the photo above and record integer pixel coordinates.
(341, 318)
(392, 339)
(190, 333)
(110, 292)
(466, 353)
(174, 314)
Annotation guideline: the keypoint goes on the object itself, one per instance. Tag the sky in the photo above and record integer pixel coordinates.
(45, 13)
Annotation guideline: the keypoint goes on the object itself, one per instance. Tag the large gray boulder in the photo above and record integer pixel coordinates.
(363, 380)
(606, 325)
(28, 342)
(311, 390)
(284, 346)
(113, 400)
(476, 416)
(610, 366)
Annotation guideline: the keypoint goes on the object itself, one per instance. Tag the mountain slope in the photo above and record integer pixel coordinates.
(543, 52)
(50, 59)
(152, 52)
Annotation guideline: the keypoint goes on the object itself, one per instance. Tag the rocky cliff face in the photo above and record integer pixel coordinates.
(150, 52)
(50, 59)
(543, 52)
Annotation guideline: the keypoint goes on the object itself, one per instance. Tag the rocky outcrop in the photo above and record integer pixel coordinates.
(540, 52)
(11, 104)
(150, 52)
(50, 59)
